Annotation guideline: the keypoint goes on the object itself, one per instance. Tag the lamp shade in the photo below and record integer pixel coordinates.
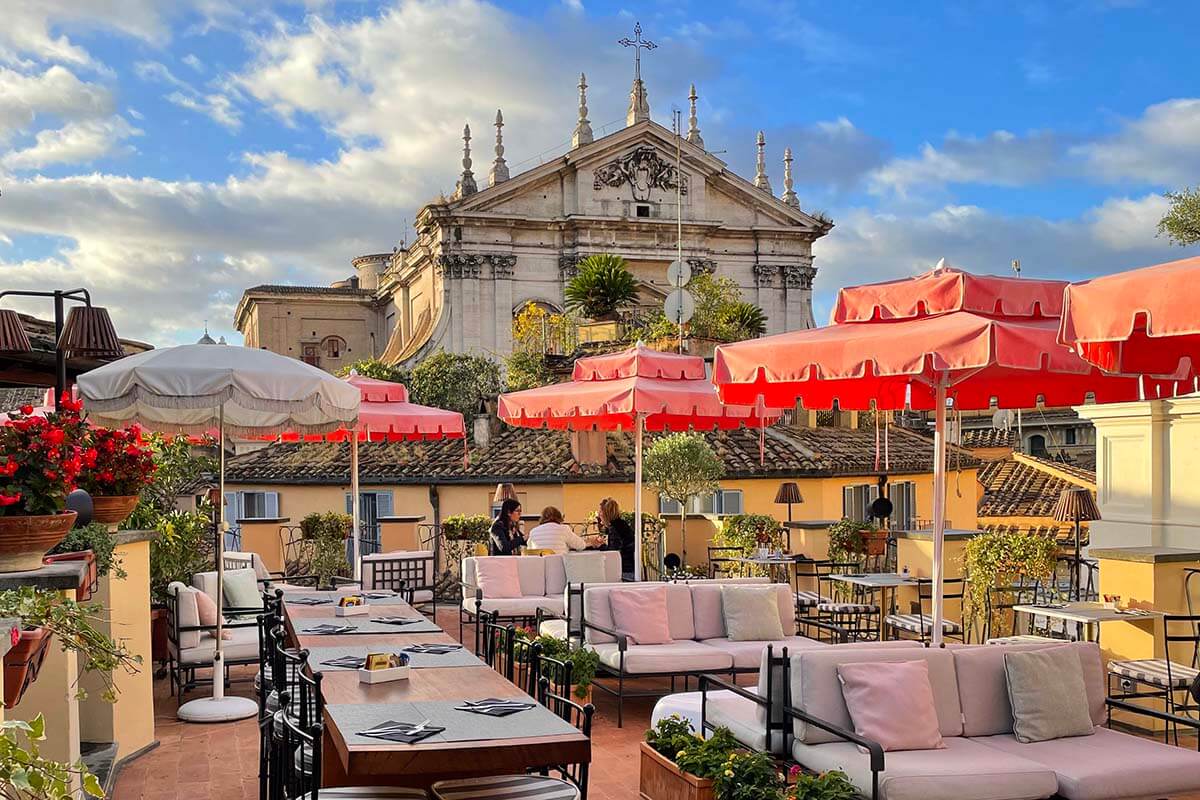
(1076, 504)
(13, 338)
(89, 332)
(504, 491)
(789, 492)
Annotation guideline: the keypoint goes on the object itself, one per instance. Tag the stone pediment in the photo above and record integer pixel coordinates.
(640, 161)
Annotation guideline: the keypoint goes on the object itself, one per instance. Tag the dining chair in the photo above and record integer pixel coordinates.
(556, 672)
(497, 644)
(920, 622)
(847, 606)
(1174, 682)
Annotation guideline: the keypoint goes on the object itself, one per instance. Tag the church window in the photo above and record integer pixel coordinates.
(457, 233)
(642, 210)
(310, 354)
(333, 346)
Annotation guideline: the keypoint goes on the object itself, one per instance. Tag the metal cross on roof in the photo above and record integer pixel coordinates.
(638, 44)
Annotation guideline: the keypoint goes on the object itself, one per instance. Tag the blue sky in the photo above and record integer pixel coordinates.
(169, 155)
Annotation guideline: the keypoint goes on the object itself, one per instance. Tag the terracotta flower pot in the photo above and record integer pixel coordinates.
(113, 510)
(661, 779)
(90, 581)
(24, 540)
(876, 542)
(22, 662)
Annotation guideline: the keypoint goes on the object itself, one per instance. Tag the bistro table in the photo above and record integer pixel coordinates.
(778, 564)
(351, 760)
(1089, 616)
(878, 582)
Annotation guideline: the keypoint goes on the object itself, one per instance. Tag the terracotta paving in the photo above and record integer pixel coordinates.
(221, 761)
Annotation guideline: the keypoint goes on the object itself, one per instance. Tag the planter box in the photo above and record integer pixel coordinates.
(876, 542)
(24, 540)
(113, 510)
(22, 663)
(91, 579)
(662, 780)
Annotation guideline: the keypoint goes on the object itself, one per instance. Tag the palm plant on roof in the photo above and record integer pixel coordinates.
(602, 287)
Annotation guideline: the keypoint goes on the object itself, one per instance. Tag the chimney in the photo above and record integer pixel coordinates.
(486, 426)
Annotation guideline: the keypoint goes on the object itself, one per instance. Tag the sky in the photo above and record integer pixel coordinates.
(169, 155)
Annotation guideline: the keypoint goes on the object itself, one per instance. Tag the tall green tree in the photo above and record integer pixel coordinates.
(1181, 224)
(602, 287)
(682, 466)
(374, 368)
(455, 381)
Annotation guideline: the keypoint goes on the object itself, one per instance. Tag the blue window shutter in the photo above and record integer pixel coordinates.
(349, 508)
(383, 504)
(233, 507)
(272, 504)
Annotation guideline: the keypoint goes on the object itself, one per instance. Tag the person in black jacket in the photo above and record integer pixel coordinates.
(506, 538)
(620, 535)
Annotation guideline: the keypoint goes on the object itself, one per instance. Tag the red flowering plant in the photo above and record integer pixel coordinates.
(40, 459)
(117, 463)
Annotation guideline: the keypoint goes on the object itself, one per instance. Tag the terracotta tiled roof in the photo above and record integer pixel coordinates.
(1064, 532)
(279, 288)
(976, 438)
(522, 455)
(14, 398)
(1025, 486)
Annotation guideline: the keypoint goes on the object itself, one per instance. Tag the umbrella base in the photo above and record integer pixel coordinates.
(214, 709)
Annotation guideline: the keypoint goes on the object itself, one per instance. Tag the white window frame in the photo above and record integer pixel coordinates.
(270, 505)
(721, 503)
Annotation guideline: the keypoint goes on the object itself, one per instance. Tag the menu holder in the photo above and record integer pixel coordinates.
(352, 606)
(384, 668)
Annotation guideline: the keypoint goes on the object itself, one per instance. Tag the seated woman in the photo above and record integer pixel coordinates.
(552, 534)
(620, 535)
(505, 538)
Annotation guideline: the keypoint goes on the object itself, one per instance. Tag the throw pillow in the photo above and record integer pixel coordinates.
(891, 702)
(187, 613)
(498, 576)
(206, 607)
(1047, 694)
(751, 613)
(584, 568)
(641, 614)
(241, 589)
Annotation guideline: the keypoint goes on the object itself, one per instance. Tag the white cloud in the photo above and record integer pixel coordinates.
(79, 142)
(216, 106)
(31, 27)
(1162, 146)
(56, 92)
(193, 61)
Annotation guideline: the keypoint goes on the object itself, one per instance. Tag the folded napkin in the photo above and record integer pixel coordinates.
(309, 601)
(345, 662)
(327, 629)
(494, 707)
(434, 649)
(402, 732)
(398, 620)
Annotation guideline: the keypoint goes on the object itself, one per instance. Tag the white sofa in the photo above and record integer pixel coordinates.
(699, 643)
(982, 759)
(543, 585)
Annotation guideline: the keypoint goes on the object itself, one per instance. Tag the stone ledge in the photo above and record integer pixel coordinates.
(413, 518)
(927, 536)
(60, 575)
(1145, 555)
(132, 537)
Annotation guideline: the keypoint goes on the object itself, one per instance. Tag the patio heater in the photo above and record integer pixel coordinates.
(1076, 505)
(86, 330)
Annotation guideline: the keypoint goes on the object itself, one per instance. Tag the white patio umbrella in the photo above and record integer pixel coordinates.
(235, 391)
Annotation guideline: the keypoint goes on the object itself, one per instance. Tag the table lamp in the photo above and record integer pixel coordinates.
(1076, 505)
(789, 492)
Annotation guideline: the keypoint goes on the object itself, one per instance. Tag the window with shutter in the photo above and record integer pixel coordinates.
(731, 501)
(666, 506)
(272, 505)
(383, 504)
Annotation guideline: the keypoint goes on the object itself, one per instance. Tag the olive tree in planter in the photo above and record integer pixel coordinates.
(682, 466)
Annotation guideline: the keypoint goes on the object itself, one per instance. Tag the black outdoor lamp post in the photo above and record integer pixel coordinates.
(86, 330)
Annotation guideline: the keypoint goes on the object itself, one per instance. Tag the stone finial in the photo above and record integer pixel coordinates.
(499, 173)
(760, 176)
(583, 128)
(639, 104)
(693, 134)
(466, 184)
(789, 196)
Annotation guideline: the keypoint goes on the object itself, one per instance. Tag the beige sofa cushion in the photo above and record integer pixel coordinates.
(680, 656)
(187, 613)
(964, 769)
(1045, 689)
(1109, 765)
(983, 689)
(817, 690)
(516, 606)
(708, 610)
(744, 722)
(241, 645)
(532, 573)
(750, 613)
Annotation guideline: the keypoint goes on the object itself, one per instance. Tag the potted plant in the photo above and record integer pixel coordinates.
(74, 626)
(851, 541)
(748, 776)
(995, 561)
(92, 544)
(40, 460)
(832, 785)
(584, 663)
(676, 764)
(23, 661)
(183, 547)
(24, 773)
(119, 465)
(327, 534)
(601, 288)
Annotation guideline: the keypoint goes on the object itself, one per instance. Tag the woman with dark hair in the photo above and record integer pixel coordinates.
(620, 535)
(506, 538)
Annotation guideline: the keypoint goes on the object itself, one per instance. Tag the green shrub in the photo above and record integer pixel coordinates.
(671, 736)
(846, 541)
(95, 537)
(327, 555)
(1003, 558)
(184, 546)
(832, 785)
(708, 758)
(748, 776)
(602, 286)
(471, 527)
(749, 532)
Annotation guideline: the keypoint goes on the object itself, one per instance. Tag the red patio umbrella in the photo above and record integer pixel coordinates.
(913, 343)
(635, 389)
(1141, 322)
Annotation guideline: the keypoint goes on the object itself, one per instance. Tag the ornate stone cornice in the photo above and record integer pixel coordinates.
(502, 265)
(798, 276)
(470, 265)
(702, 266)
(643, 170)
(568, 266)
(764, 274)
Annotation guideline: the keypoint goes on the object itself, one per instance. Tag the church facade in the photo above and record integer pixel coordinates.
(502, 242)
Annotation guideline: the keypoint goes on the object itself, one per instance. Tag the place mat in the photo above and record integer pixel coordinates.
(460, 726)
(401, 732)
(328, 629)
(363, 625)
(307, 601)
(319, 656)
(434, 649)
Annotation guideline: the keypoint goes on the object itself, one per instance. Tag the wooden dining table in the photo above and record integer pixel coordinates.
(424, 763)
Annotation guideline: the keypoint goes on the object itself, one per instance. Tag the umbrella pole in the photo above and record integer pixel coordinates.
(218, 651)
(939, 504)
(639, 427)
(355, 512)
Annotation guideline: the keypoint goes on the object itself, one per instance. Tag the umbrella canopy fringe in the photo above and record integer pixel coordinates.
(240, 397)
